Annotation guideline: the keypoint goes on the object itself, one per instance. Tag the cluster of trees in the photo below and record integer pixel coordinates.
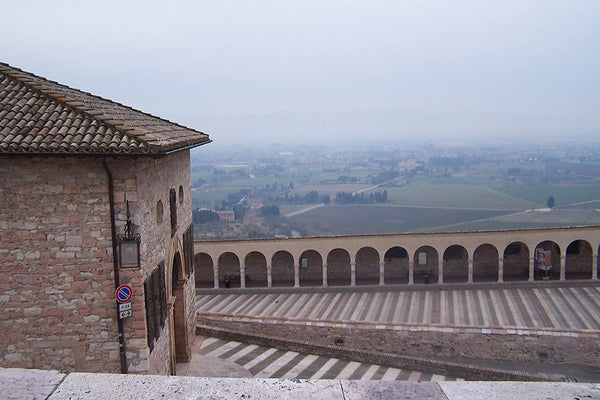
(384, 176)
(361, 198)
(312, 197)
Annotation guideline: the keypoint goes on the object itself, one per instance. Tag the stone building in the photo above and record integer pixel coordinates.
(72, 167)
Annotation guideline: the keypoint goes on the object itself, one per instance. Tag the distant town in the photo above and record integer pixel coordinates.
(281, 190)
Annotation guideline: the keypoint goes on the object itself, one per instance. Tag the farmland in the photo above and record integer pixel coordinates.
(427, 188)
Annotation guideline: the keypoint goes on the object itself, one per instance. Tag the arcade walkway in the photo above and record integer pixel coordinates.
(561, 306)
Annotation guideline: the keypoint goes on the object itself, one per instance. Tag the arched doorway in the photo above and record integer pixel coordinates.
(516, 262)
(579, 262)
(256, 269)
(229, 264)
(180, 349)
(456, 264)
(426, 265)
(485, 264)
(367, 266)
(547, 267)
(311, 268)
(396, 265)
(282, 269)
(204, 270)
(338, 268)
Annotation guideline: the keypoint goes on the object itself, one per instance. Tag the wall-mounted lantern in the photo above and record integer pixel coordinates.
(129, 245)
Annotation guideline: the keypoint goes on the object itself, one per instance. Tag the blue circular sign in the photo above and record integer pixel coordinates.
(123, 293)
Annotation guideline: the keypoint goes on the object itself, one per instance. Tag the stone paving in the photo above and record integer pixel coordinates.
(564, 307)
(220, 358)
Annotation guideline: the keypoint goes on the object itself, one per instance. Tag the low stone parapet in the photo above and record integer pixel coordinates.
(480, 353)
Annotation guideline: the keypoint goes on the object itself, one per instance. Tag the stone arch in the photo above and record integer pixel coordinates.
(229, 264)
(516, 262)
(367, 266)
(579, 260)
(396, 265)
(256, 269)
(338, 268)
(554, 272)
(282, 269)
(179, 323)
(426, 261)
(456, 264)
(311, 268)
(204, 270)
(485, 263)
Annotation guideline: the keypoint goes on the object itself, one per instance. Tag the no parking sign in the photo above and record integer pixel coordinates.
(123, 295)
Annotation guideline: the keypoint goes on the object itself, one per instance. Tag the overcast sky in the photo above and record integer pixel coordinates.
(349, 71)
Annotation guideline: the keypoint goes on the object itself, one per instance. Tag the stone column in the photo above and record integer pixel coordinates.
(500, 270)
(242, 276)
(324, 275)
(352, 274)
(411, 272)
(296, 276)
(595, 267)
(531, 268)
(381, 273)
(269, 277)
(216, 276)
(563, 266)
(470, 272)
(441, 270)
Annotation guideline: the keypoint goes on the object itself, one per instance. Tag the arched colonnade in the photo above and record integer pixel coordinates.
(493, 256)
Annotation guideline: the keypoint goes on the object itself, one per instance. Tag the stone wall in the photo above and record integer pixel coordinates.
(445, 349)
(57, 286)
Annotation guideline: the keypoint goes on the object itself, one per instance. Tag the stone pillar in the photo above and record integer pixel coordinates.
(531, 268)
(216, 276)
(242, 276)
(352, 274)
(470, 273)
(269, 277)
(563, 266)
(296, 276)
(441, 270)
(500, 270)
(381, 273)
(411, 272)
(595, 267)
(324, 275)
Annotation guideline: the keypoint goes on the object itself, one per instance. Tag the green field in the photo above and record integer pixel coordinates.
(383, 219)
(454, 195)
(563, 195)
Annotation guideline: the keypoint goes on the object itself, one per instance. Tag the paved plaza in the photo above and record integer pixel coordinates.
(572, 306)
(564, 307)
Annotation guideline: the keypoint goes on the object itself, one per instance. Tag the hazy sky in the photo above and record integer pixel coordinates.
(349, 71)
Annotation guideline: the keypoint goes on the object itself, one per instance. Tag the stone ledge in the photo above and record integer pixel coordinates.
(20, 384)
(420, 327)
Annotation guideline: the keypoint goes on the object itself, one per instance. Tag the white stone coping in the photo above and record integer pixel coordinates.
(414, 327)
(21, 384)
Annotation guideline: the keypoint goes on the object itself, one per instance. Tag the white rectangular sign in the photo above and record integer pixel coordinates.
(125, 310)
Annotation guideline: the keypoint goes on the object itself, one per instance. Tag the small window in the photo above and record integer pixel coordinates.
(159, 212)
(173, 208)
(180, 194)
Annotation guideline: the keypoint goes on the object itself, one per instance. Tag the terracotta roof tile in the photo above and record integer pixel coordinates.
(41, 116)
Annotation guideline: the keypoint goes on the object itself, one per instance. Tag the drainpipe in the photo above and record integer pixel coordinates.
(113, 232)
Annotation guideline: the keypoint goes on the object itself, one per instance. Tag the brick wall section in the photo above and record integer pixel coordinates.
(56, 291)
(443, 347)
(57, 286)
